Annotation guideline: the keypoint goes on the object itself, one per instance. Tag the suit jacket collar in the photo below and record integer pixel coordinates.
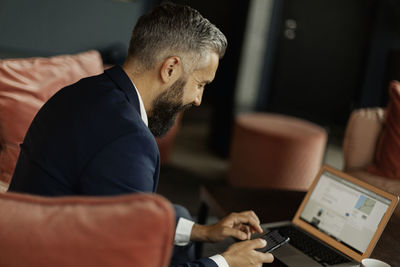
(121, 79)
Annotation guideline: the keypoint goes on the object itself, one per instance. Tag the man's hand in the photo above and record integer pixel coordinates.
(239, 225)
(243, 254)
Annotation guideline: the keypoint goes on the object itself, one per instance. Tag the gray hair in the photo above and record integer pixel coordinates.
(174, 30)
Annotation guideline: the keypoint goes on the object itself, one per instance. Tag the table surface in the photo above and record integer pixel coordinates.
(277, 205)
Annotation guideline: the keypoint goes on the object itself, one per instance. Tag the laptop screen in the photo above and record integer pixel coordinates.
(345, 211)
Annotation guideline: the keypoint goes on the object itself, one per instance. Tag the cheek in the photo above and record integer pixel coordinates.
(190, 93)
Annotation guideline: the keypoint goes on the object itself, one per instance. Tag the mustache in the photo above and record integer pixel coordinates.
(185, 107)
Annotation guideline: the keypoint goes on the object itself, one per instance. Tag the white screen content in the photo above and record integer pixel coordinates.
(347, 212)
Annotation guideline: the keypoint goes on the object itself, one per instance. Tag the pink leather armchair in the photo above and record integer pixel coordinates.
(130, 230)
(360, 141)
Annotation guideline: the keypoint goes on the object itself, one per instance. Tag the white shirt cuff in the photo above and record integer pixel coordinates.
(219, 260)
(183, 231)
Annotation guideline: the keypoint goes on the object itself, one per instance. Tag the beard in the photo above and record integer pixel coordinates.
(166, 108)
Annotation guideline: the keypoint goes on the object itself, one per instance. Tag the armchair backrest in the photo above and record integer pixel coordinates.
(130, 230)
(361, 136)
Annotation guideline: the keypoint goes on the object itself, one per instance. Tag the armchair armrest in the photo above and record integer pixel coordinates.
(362, 132)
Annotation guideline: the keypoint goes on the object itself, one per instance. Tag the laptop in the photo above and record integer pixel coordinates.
(337, 224)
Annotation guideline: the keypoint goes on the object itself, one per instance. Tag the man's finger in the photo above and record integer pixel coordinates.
(253, 215)
(256, 243)
(246, 229)
(244, 218)
(267, 257)
(234, 233)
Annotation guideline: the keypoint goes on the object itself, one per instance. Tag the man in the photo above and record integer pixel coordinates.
(92, 138)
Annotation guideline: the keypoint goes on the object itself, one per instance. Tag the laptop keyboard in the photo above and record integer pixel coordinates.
(316, 250)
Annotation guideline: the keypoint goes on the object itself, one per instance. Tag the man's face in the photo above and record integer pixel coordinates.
(166, 107)
(184, 93)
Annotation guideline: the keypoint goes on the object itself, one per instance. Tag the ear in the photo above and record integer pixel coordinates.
(171, 69)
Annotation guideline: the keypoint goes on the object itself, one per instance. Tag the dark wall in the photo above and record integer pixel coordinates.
(48, 27)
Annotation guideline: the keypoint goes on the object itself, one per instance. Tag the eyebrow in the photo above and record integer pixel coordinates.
(205, 81)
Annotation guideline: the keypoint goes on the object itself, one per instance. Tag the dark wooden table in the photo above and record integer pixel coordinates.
(277, 205)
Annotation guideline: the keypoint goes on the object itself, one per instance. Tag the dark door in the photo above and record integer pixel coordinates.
(320, 55)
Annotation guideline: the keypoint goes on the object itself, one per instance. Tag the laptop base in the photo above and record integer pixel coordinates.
(291, 256)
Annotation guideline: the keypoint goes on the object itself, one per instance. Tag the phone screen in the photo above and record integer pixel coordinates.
(274, 240)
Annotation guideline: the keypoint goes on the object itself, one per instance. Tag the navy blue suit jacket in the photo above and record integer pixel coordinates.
(89, 139)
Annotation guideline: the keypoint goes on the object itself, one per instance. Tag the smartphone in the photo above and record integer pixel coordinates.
(274, 240)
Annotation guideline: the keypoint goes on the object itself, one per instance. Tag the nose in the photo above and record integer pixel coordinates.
(197, 100)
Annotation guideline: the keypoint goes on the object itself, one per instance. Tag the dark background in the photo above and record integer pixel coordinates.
(342, 57)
